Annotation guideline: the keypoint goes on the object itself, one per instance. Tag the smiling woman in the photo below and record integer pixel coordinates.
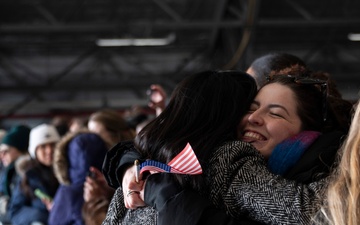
(285, 123)
(36, 173)
(271, 119)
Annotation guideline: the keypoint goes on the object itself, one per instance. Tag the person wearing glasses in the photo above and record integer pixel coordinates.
(285, 123)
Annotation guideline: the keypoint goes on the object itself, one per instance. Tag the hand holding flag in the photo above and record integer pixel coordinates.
(185, 162)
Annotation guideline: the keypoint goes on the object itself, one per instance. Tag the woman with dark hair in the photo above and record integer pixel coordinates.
(277, 63)
(238, 179)
(205, 110)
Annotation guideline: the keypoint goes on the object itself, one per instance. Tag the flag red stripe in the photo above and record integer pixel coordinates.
(186, 162)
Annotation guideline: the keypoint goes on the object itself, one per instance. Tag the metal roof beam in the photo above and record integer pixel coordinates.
(98, 28)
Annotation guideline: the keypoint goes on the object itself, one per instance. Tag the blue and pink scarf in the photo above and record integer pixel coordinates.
(287, 153)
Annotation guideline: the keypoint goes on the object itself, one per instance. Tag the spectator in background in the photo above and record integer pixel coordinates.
(157, 102)
(61, 123)
(13, 146)
(2, 133)
(135, 116)
(275, 63)
(36, 174)
(112, 128)
(77, 124)
(157, 98)
(73, 157)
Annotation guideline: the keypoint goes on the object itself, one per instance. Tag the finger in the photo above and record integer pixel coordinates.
(86, 196)
(159, 88)
(89, 181)
(132, 195)
(96, 171)
(88, 186)
(151, 105)
(133, 201)
(141, 195)
(142, 191)
(135, 186)
(129, 176)
(101, 180)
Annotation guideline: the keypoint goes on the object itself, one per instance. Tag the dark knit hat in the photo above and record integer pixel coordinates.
(18, 137)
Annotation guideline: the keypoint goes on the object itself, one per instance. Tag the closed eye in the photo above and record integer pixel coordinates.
(276, 115)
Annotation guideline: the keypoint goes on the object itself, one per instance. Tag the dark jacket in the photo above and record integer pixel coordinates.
(73, 157)
(8, 180)
(24, 207)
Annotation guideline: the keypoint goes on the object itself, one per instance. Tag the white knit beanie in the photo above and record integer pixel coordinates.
(42, 134)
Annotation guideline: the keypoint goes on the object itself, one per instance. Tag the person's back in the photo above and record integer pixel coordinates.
(73, 157)
(205, 110)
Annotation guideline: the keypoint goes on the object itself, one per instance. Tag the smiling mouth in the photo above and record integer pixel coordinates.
(250, 136)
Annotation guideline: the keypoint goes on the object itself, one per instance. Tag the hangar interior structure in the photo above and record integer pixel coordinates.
(74, 56)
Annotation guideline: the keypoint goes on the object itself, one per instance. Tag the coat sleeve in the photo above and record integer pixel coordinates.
(179, 206)
(117, 210)
(22, 212)
(245, 186)
(117, 160)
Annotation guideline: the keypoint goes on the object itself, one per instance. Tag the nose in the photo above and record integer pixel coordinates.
(49, 149)
(255, 118)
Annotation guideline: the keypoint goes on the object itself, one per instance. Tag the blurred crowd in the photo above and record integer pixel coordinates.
(79, 170)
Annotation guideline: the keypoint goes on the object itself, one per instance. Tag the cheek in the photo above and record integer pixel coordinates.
(244, 121)
(12, 156)
(281, 133)
(242, 125)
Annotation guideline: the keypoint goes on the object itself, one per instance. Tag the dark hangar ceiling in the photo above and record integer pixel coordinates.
(50, 60)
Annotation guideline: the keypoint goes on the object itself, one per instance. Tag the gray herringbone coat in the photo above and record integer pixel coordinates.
(240, 182)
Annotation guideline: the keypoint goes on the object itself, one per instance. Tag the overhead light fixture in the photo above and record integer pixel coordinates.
(354, 37)
(136, 41)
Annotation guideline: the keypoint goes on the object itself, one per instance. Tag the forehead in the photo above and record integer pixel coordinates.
(276, 93)
(95, 126)
(51, 144)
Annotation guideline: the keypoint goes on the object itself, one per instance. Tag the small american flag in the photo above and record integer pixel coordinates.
(185, 162)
